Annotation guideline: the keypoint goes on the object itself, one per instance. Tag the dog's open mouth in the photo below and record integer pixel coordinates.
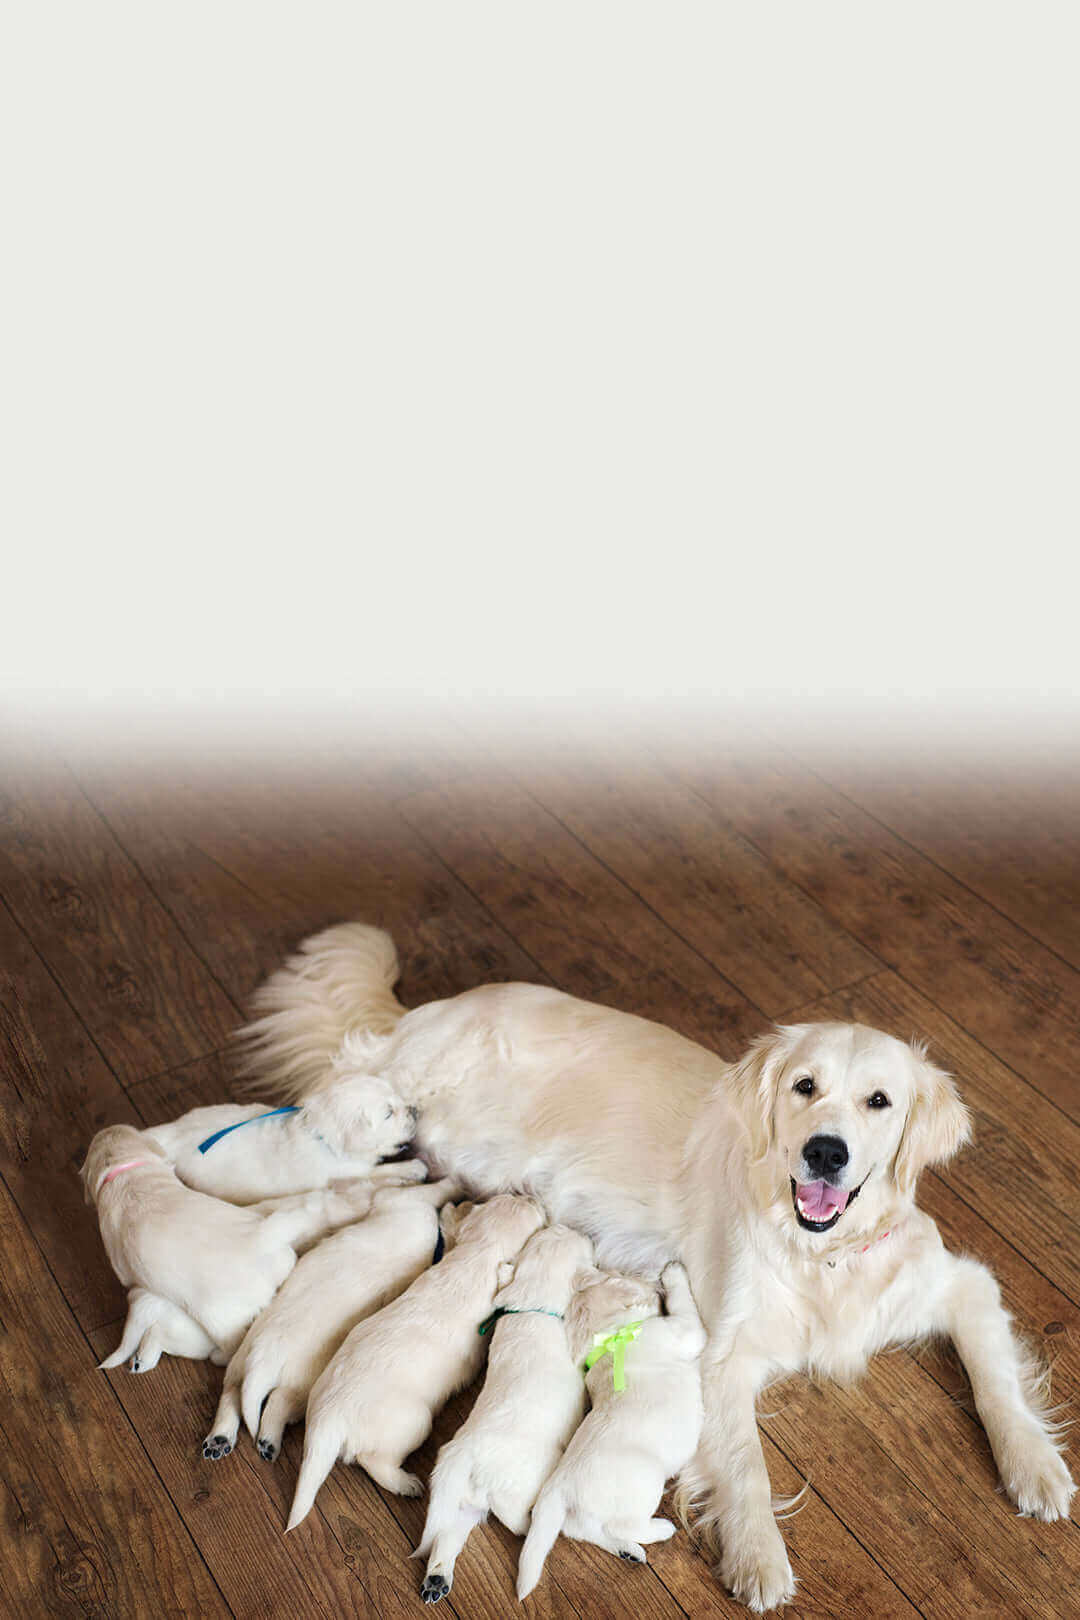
(818, 1205)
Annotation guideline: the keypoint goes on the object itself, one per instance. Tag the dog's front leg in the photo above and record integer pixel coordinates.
(1020, 1435)
(729, 1480)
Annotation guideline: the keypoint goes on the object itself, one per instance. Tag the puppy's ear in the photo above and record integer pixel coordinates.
(752, 1083)
(87, 1195)
(937, 1124)
(450, 1218)
(586, 1277)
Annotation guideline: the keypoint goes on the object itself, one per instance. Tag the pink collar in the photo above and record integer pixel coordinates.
(118, 1170)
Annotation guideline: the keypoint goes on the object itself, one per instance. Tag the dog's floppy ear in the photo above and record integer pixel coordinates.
(752, 1083)
(586, 1277)
(450, 1218)
(937, 1124)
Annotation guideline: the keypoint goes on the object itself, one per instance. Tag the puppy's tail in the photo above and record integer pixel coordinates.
(142, 1314)
(339, 980)
(548, 1518)
(321, 1451)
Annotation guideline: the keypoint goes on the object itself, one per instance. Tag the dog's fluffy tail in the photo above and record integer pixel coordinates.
(339, 980)
(548, 1518)
(321, 1450)
(448, 1490)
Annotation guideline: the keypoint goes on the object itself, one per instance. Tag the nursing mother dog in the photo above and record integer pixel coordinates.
(785, 1183)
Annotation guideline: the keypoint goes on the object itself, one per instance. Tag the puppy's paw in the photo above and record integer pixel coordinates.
(632, 1553)
(1040, 1484)
(434, 1589)
(755, 1567)
(410, 1485)
(216, 1446)
(267, 1450)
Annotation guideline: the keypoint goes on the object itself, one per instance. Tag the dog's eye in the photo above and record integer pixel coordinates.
(878, 1099)
(804, 1085)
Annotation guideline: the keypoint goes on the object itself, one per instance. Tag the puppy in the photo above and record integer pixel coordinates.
(376, 1401)
(154, 1328)
(532, 1401)
(248, 1151)
(342, 1280)
(611, 1477)
(219, 1264)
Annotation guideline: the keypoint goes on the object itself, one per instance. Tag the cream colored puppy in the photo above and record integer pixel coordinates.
(248, 1151)
(343, 1279)
(377, 1400)
(611, 1477)
(532, 1401)
(219, 1264)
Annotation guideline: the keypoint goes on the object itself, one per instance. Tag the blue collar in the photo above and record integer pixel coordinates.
(204, 1147)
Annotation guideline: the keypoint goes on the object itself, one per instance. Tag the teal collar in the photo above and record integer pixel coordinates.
(510, 1310)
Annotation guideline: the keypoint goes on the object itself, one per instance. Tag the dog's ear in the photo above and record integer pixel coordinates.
(586, 1277)
(450, 1219)
(503, 1278)
(752, 1083)
(87, 1195)
(937, 1124)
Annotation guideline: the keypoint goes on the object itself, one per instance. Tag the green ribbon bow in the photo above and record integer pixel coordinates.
(614, 1345)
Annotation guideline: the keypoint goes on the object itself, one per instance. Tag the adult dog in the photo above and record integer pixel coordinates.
(785, 1183)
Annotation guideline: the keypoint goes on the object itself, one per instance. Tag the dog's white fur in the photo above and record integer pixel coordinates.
(658, 1149)
(219, 1264)
(338, 1135)
(532, 1401)
(609, 1482)
(155, 1327)
(376, 1401)
(343, 1279)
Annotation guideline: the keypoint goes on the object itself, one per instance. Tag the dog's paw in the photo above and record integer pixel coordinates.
(1040, 1484)
(410, 1485)
(755, 1567)
(215, 1447)
(267, 1450)
(632, 1554)
(434, 1589)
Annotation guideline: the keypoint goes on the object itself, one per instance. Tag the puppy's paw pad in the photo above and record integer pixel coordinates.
(216, 1447)
(434, 1589)
(629, 1557)
(134, 1365)
(267, 1451)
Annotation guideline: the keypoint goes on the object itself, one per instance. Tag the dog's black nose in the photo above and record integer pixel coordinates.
(825, 1155)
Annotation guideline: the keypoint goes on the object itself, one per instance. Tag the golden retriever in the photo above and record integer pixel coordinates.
(784, 1182)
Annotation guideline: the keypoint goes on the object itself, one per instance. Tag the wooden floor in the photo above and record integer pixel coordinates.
(712, 884)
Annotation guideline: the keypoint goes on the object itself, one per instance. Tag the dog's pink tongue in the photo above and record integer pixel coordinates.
(819, 1202)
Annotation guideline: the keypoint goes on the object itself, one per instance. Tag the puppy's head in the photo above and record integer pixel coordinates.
(603, 1301)
(362, 1116)
(110, 1147)
(546, 1269)
(836, 1108)
(507, 1221)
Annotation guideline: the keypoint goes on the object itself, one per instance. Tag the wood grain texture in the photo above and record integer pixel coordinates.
(711, 889)
(1015, 996)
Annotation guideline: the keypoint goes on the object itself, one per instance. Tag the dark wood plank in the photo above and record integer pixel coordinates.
(140, 989)
(699, 874)
(580, 922)
(1011, 836)
(56, 1090)
(1020, 1174)
(253, 867)
(90, 1525)
(1018, 999)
